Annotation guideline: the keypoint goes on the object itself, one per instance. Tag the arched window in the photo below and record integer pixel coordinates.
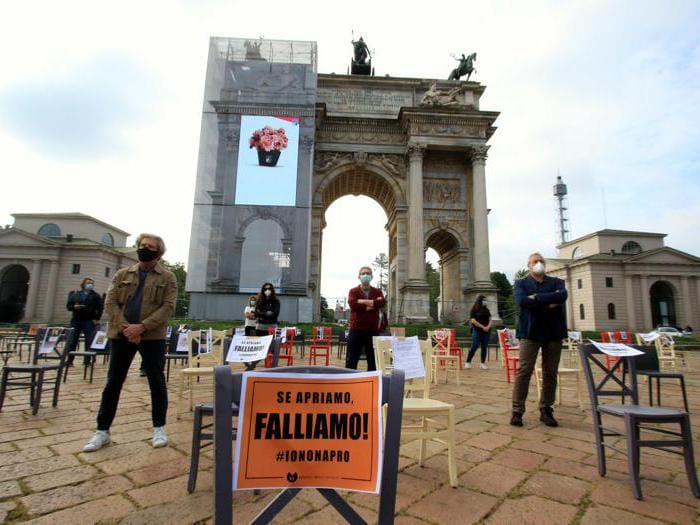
(107, 239)
(611, 310)
(50, 230)
(262, 256)
(631, 248)
(581, 312)
(578, 252)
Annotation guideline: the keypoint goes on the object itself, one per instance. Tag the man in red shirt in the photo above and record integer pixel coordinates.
(365, 303)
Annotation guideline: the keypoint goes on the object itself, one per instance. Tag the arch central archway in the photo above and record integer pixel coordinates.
(452, 261)
(663, 308)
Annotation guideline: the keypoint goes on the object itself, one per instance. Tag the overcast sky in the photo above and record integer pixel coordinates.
(100, 108)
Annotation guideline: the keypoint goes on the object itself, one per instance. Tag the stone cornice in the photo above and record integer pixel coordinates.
(235, 108)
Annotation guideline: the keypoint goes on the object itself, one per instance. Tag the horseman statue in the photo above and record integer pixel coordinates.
(465, 67)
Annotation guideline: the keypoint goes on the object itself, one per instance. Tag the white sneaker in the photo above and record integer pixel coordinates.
(99, 440)
(160, 438)
(467, 364)
(483, 366)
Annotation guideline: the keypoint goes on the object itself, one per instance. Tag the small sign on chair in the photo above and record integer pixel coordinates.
(407, 356)
(245, 349)
(99, 342)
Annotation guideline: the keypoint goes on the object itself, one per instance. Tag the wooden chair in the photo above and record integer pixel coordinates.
(199, 364)
(570, 369)
(320, 344)
(442, 359)
(286, 347)
(454, 349)
(636, 419)
(666, 348)
(437, 418)
(509, 352)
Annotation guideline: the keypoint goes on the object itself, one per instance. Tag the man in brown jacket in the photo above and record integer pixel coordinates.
(139, 303)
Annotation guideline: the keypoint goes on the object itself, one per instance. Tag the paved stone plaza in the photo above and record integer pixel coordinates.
(507, 475)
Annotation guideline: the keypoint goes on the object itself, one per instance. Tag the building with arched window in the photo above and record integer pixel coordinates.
(627, 280)
(43, 256)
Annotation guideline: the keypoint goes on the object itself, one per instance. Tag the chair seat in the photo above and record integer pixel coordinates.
(639, 410)
(419, 403)
(89, 353)
(31, 368)
(653, 373)
(202, 370)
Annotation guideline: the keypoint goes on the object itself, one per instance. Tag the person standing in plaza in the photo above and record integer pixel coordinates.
(249, 316)
(480, 319)
(139, 303)
(541, 324)
(267, 309)
(86, 305)
(365, 302)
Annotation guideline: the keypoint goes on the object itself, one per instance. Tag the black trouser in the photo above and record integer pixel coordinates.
(87, 326)
(121, 355)
(250, 330)
(358, 341)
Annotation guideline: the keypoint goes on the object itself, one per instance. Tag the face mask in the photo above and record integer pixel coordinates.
(89, 287)
(268, 293)
(365, 279)
(146, 255)
(252, 303)
(538, 268)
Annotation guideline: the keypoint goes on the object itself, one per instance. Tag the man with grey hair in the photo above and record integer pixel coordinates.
(139, 303)
(541, 324)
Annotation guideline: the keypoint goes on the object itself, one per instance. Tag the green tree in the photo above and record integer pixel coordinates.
(433, 278)
(521, 273)
(327, 314)
(506, 304)
(381, 267)
(183, 298)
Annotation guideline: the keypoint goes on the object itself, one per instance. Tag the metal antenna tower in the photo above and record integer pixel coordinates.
(562, 210)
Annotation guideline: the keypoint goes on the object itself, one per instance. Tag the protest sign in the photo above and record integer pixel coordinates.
(575, 336)
(309, 430)
(616, 349)
(407, 356)
(48, 344)
(245, 349)
(183, 342)
(99, 342)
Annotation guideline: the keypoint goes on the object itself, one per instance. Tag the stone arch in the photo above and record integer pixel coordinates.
(662, 298)
(264, 215)
(14, 285)
(447, 243)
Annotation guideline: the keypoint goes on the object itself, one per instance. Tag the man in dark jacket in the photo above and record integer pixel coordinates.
(365, 304)
(542, 324)
(86, 305)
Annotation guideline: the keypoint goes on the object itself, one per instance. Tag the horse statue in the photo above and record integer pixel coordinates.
(465, 67)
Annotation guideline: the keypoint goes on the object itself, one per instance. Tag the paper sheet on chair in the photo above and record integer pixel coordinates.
(247, 349)
(616, 349)
(407, 356)
(648, 338)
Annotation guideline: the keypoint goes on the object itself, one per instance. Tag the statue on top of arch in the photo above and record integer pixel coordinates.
(465, 67)
(439, 96)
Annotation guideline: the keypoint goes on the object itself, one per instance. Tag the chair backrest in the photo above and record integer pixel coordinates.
(397, 331)
(441, 340)
(34, 329)
(198, 339)
(322, 335)
(382, 353)
(624, 336)
(622, 385)
(648, 361)
(453, 337)
(383, 359)
(227, 391)
(666, 347)
(50, 343)
(507, 340)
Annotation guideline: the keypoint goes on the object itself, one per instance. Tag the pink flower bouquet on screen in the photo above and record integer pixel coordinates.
(269, 142)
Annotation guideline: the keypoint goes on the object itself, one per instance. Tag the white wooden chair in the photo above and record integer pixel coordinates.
(442, 359)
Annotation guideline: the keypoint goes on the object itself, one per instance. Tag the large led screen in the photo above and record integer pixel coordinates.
(267, 161)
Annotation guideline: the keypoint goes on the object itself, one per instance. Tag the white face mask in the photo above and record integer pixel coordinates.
(538, 268)
(268, 293)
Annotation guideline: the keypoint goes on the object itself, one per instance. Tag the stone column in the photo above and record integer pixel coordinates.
(687, 313)
(480, 215)
(647, 323)
(629, 301)
(51, 292)
(34, 277)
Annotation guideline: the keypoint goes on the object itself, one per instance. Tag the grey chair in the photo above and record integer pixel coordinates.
(227, 391)
(636, 418)
(202, 435)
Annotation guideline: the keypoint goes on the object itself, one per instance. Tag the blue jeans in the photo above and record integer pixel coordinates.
(87, 327)
(479, 338)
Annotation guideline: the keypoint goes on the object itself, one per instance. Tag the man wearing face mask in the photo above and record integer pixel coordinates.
(86, 305)
(139, 303)
(542, 324)
(365, 303)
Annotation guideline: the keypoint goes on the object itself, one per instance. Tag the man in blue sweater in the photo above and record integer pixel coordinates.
(542, 324)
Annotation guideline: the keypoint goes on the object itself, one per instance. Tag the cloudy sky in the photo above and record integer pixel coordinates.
(100, 108)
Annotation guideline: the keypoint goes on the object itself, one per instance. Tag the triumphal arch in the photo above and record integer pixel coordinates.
(418, 147)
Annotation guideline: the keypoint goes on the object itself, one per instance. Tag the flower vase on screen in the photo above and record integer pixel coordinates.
(269, 143)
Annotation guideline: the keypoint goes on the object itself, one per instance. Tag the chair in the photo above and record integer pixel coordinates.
(397, 331)
(509, 351)
(437, 418)
(454, 349)
(49, 345)
(199, 364)
(172, 354)
(570, 370)
(320, 344)
(648, 365)
(636, 418)
(201, 434)
(342, 342)
(442, 358)
(286, 346)
(666, 348)
(228, 393)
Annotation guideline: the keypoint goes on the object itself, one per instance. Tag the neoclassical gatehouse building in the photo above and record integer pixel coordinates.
(43, 256)
(620, 279)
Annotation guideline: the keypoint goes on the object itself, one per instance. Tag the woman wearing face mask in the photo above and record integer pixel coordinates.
(249, 316)
(267, 309)
(480, 319)
(365, 302)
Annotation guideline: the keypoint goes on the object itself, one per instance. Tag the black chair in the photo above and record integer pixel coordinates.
(171, 354)
(342, 342)
(635, 417)
(227, 391)
(32, 376)
(648, 365)
(202, 436)
(89, 361)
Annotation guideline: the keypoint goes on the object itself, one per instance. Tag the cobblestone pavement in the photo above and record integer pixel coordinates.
(507, 475)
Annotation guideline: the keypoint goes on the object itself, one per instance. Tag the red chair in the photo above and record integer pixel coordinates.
(510, 350)
(320, 344)
(454, 349)
(610, 337)
(285, 347)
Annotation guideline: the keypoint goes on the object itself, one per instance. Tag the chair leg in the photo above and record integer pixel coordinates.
(167, 370)
(598, 424)
(180, 396)
(689, 456)
(92, 368)
(631, 432)
(423, 441)
(3, 386)
(37, 394)
(196, 443)
(685, 397)
(452, 463)
(56, 389)
(658, 391)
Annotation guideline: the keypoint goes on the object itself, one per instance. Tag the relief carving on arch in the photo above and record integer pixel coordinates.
(441, 192)
(326, 161)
